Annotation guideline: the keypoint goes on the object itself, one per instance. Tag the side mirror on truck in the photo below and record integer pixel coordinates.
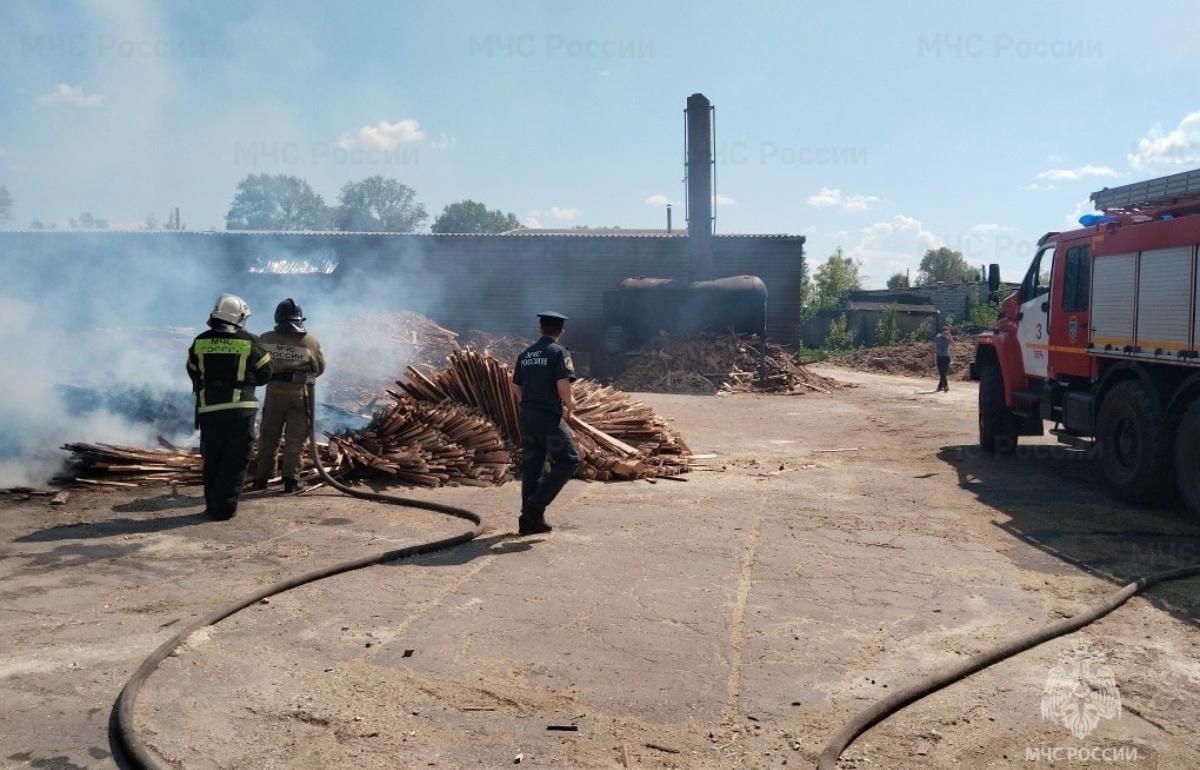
(994, 282)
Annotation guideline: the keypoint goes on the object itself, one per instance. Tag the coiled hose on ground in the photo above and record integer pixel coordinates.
(135, 748)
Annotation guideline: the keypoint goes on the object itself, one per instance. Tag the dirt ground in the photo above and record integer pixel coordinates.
(836, 548)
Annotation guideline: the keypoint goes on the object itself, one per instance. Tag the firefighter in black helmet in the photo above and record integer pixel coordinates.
(542, 384)
(297, 360)
(225, 364)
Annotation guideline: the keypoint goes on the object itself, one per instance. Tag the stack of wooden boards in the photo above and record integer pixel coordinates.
(617, 437)
(456, 425)
(711, 364)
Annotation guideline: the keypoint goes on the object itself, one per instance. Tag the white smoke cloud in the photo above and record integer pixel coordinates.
(658, 200)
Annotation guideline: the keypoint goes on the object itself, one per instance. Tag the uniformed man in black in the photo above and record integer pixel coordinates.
(542, 383)
(225, 364)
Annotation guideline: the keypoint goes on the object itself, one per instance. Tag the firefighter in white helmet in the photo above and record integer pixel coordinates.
(225, 364)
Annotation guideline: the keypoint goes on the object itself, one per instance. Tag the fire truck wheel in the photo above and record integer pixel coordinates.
(1187, 458)
(997, 434)
(1131, 440)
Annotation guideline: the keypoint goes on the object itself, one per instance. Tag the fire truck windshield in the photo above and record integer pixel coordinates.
(1037, 280)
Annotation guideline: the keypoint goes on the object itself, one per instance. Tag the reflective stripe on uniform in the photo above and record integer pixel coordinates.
(223, 407)
(266, 359)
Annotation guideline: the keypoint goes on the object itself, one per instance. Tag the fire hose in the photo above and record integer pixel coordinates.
(139, 753)
(126, 733)
(883, 709)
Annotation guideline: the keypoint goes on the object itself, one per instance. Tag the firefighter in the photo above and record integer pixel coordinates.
(542, 384)
(225, 364)
(296, 361)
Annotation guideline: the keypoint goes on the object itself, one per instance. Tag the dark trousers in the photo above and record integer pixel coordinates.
(544, 436)
(225, 439)
(943, 365)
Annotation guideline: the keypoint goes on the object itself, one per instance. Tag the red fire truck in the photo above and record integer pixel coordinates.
(1102, 341)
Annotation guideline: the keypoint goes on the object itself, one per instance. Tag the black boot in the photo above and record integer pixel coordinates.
(533, 524)
(292, 485)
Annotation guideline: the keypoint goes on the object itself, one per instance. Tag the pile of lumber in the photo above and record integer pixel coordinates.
(112, 465)
(426, 444)
(456, 425)
(617, 438)
(711, 364)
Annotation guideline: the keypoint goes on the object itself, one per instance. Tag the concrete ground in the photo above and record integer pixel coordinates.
(835, 549)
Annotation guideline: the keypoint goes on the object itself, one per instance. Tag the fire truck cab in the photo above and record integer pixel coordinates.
(1101, 340)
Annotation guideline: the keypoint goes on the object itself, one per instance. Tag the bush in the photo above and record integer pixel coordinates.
(887, 331)
(922, 333)
(840, 336)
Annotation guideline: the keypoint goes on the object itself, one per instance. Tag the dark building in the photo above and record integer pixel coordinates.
(491, 282)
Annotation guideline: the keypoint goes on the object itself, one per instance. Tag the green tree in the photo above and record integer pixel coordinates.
(473, 217)
(840, 336)
(87, 221)
(280, 202)
(922, 333)
(943, 265)
(980, 312)
(887, 331)
(898, 281)
(6, 203)
(835, 276)
(378, 204)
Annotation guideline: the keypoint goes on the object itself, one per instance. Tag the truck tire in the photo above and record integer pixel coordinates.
(997, 430)
(1187, 459)
(1133, 445)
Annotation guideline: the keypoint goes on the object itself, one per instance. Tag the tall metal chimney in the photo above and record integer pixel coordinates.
(699, 139)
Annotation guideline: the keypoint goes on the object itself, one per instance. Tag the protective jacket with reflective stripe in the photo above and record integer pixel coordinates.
(225, 364)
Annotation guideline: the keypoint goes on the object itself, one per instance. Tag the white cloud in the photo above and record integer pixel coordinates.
(532, 221)
(892, 245)
(566, 214)
(1039, 186)
(1082, 207)
(725, 200)
(75, 96)
(443, 142)
(1075, 174)
(1052, 158)
(383, 135)
(1178, 147)
(830, 197)
(658, 200)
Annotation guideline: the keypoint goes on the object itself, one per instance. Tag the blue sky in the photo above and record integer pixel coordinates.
(883, 128)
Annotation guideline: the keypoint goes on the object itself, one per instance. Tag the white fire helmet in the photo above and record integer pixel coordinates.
(231, 309)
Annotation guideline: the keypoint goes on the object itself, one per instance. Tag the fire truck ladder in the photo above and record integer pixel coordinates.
(1152, 193)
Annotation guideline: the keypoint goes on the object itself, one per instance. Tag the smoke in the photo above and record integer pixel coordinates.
(94, 330)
